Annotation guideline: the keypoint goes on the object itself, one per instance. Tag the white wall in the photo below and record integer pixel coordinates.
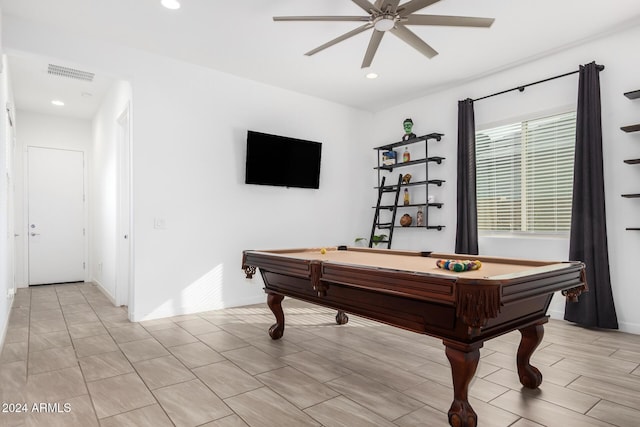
(103, 194)
(42, 130)
(6, 199)
(438, 113)
(189, 136)
(189, 142)
(48, 131)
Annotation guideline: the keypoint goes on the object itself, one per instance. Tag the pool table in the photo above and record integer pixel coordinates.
(406, 289)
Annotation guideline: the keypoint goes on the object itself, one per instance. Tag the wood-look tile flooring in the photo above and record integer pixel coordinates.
(67, 344)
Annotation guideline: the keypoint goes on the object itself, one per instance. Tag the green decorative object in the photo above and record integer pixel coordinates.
(377, 239)
(408, 126)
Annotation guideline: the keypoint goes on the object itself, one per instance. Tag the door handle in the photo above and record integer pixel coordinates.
(35, 234)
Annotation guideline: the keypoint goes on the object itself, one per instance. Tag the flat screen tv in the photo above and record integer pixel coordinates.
(282, 161)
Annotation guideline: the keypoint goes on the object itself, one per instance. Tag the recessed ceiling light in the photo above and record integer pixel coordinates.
(372, 76)
(57, 103)
(171, 4)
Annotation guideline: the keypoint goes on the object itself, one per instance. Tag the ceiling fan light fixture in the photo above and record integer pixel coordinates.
(384, 22)
(171, 4)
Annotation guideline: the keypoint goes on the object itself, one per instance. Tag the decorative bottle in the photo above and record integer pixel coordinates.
(406, 197)
(420, 217)
(406, 156)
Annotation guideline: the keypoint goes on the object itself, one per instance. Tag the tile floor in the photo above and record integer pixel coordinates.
(67, 344)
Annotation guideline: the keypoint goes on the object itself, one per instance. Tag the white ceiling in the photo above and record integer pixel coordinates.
(34, 88)
(240, 37)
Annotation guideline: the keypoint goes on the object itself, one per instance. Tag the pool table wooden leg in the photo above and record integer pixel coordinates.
(530, 376)
(274, 302)
(464, 361)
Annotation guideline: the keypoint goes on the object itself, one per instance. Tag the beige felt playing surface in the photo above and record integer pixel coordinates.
(419, 264)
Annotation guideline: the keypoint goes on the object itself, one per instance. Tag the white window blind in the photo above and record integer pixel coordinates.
(524, 174)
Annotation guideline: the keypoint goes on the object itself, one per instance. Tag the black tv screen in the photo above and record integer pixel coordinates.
(282, 161)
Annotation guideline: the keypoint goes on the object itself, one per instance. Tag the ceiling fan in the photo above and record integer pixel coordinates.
(389, 15)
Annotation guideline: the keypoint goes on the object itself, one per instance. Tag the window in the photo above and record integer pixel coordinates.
(524, 175)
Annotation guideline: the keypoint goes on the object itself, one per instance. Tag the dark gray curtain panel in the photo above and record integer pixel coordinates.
(467, 219)
(588, 241)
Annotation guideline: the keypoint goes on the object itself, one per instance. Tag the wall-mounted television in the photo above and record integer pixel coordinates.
(282, 161)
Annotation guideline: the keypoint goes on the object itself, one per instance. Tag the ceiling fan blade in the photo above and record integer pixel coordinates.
(414, 41)
(384, 5)
(374, 42)
(448, 21)
(414, 5)
(321, 18)
(365, 5)
(339, 39)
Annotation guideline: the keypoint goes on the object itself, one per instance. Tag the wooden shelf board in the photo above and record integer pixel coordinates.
(631, 128)
(428, 227)
(436, 159)
(631, 196)
(401, 164)
(632, 161)
(633, 228)
(389, 207)
(436, 136)
(634, 94)
(437, 182)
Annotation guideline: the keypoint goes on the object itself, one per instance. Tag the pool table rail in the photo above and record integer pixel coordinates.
(477, 302)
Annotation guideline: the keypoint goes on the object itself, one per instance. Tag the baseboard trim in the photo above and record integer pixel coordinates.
(5, 328)
(556, 314)
(630, 328)
(104, 291)
(160, 314)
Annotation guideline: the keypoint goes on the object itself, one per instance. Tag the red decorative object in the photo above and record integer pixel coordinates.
(406, 220)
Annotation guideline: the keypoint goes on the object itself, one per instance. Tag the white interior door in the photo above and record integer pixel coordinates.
(56, 216)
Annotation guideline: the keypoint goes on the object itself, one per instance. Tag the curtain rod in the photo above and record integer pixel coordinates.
(521, 88)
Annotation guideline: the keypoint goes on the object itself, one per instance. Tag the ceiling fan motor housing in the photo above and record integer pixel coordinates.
(385, 21)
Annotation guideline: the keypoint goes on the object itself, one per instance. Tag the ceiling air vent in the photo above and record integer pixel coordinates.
(72, 73)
